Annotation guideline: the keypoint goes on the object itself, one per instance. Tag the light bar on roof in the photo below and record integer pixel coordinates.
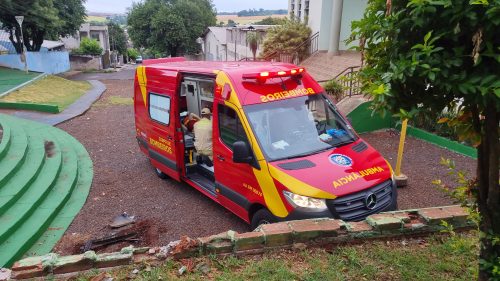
(267, 74)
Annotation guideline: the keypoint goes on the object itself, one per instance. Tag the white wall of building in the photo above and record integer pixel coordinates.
(319, 18)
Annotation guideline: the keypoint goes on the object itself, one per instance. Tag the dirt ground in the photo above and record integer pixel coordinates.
(124, 181)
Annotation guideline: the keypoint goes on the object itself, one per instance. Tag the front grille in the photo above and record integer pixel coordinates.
(352, 207)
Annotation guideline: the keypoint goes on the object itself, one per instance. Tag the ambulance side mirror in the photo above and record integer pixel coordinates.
(242, 152)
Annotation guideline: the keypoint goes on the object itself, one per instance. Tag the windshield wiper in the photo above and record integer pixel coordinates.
(305, 154)
(344, 143)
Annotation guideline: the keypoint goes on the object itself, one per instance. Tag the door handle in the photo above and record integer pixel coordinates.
(221, 158)
(170, 138)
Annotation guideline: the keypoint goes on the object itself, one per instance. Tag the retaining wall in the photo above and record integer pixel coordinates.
(315, 232)
(46, 62)
(364, 120)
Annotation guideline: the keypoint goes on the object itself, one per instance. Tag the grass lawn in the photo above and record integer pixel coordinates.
(51, 90)
(433, 258)
(245, 20)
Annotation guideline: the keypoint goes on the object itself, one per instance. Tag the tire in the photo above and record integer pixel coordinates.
(160, 174)
(263, 216)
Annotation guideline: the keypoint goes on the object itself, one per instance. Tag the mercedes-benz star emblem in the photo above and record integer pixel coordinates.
(371, 201)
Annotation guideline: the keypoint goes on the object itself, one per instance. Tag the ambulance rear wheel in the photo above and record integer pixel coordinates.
(263, 216)
(160, 174)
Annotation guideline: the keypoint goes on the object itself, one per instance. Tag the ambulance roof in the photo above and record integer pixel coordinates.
(247, 91)
(231, 68)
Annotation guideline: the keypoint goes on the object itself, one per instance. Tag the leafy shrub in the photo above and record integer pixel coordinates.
(88, 46)
(132, 53)
(285, 39)
(334, 89)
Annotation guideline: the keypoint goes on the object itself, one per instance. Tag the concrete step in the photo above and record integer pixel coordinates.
(46, 169)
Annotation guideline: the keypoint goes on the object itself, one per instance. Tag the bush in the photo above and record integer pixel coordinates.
(88, 46)
(334, 89)
(286, 38)
(132, 53)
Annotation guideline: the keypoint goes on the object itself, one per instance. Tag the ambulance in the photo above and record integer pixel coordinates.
(281, 150)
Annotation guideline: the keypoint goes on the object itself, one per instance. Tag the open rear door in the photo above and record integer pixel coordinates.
(161, 132)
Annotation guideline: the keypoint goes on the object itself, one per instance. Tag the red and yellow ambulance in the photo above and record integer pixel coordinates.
(281, 149)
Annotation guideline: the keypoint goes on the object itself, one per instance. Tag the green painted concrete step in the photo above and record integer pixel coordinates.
(40, 192)
(23, 238)
(24, 176)
(15, 156)
(29, 200)
(78, 197)
(5, 141)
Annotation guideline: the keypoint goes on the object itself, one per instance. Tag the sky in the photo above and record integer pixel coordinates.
(120, 6)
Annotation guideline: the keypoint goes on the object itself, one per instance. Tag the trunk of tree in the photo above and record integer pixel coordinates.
(17, 43)
(488, 185)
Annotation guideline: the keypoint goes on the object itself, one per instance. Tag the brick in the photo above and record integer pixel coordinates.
(29, 273)
(219, 247)
(360, 226)
(5, 274)
(434, 216)
(28, 263)
(74, 263)
(305, 230)
(277, 234)
(113, 259)
(388, 221)
(248, 241)
(460, 214)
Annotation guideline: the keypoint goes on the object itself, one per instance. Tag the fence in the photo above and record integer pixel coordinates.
(46, 62)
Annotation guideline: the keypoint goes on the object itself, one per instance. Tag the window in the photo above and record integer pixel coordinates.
(159, 108)
(230, 127)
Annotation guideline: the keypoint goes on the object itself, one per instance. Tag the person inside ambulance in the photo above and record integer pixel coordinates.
(189, 120)
(203, 137)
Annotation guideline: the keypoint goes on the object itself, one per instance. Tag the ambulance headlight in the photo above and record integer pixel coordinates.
(305, 202)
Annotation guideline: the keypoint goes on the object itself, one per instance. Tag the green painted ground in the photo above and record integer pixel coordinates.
(45, 178)
(10, 78)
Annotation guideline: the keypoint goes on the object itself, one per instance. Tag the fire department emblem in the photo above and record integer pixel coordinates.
(341, 160)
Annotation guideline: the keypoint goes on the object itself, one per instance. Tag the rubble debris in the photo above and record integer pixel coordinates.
(122, 220)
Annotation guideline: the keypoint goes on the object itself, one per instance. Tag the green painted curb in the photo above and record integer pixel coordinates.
(364, 121)
(40, 194)
(49, 108)
(442, 142)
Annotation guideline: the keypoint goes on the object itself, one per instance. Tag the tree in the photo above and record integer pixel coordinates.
(117, 38)
(170, 26)
(285, 38)
(271, 21)
(442, 55)
(43, 19)
(253, 41)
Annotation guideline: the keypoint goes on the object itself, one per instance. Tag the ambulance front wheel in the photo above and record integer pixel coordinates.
(160, 174)
(263, 216)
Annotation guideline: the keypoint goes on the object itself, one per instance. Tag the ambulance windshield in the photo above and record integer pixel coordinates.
(298, 127)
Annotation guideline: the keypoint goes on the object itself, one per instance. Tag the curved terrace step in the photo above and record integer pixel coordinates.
(45, 169)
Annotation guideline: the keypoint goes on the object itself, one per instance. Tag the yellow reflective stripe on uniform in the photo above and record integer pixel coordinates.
(270, 193)
(298, 187)
(142, 80)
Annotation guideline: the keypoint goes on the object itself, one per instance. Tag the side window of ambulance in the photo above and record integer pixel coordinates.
(230, 127)
(159, 108)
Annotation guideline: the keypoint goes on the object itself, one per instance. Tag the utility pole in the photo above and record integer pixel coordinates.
(20, 20)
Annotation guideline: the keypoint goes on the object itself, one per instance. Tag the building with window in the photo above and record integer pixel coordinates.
(331, 18)
(97, 32)
(230, 43)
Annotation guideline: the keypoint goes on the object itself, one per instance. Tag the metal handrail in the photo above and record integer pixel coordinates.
(349, 81)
